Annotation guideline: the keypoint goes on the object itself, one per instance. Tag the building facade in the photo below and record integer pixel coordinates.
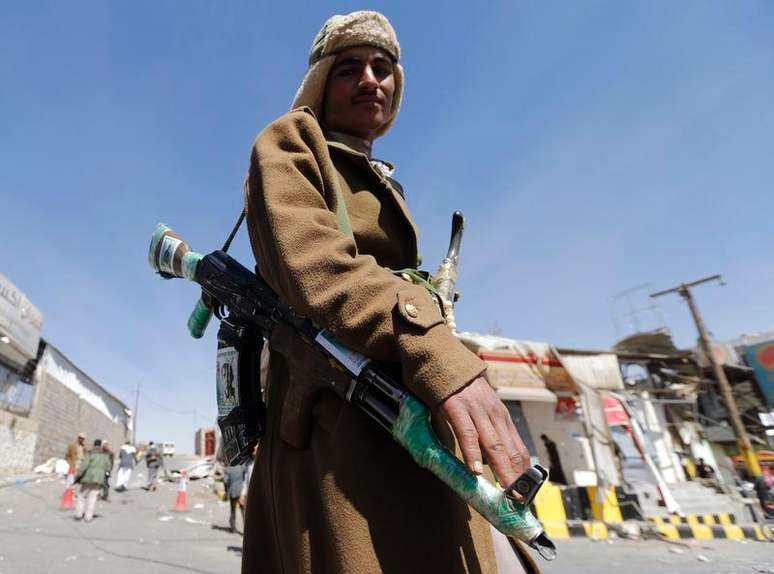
(45, 399)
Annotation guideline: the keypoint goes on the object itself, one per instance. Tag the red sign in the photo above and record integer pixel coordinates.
(565, 408)
(616, 415)
(766, 356)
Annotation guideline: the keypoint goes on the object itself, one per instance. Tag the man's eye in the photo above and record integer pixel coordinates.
(347, 71)
(382, 71)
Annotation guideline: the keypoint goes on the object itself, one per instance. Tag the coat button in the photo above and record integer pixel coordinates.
(411, 310)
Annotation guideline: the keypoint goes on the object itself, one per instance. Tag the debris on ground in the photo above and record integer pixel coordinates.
(53, 466)
(190, 520)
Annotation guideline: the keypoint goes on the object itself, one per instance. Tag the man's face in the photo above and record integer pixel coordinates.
(359, 92)
(81, 439)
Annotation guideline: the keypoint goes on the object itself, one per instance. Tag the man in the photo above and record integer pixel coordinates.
(234, 481)
(153, 462)
(111, 461)
(703, 470)
(91, 476)
(126, 461)
(556, 472)
(75, 451)
(332, 492)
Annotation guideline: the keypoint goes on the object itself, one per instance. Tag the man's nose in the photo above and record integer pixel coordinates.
(367, 78)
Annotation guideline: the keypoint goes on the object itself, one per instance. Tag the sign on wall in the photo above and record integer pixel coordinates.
(20, 323)
(761, 358)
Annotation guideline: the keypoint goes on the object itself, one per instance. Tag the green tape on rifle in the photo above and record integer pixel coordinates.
(414, 432)
(199, 319)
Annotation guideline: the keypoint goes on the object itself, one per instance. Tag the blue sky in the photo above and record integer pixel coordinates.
(593, 146)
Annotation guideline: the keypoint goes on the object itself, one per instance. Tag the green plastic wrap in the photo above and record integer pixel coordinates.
(199, 319)
(414, 431)
(171, 256)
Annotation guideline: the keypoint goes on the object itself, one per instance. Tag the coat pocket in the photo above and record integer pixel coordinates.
(310, 400)
(312, 390)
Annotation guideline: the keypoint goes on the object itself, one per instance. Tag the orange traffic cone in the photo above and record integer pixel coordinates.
(181, 488)
(67, 497)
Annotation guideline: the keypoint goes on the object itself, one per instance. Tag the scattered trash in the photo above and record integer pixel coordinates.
(53, 465)
(190, 520)
(702, 558)
(165, 518)
(36, 530)
(71, 558)
(10, 511)
(199, 469)
(674, 550)
(197, 506)
(765, 570)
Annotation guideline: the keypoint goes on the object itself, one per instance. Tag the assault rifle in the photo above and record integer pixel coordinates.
(249, 309)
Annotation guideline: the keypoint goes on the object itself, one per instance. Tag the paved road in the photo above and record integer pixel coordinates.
(584, 556)
(138, 532)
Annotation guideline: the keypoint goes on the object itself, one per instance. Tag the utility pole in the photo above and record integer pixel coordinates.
(742, 440)
(134, 415)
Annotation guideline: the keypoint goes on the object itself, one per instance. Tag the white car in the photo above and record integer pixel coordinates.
(167, 449)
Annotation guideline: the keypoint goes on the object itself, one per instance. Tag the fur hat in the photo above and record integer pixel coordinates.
(362, 28)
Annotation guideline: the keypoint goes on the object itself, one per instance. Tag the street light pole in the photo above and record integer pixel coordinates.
(136, 407)
(742, 440)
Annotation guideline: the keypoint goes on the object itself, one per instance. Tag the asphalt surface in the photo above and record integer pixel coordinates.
(139, 531)
(136, 531)
(584, 556)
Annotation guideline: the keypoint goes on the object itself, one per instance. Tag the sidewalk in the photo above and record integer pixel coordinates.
(20, 479)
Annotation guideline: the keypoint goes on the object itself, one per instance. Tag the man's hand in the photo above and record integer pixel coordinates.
(478, 417)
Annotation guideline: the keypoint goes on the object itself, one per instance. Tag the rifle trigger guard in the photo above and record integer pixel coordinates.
(528, 484)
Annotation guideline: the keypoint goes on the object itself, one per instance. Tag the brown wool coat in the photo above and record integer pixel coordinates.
(331, 491)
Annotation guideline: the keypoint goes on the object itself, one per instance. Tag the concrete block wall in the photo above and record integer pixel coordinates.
(62, 415)
(57, 409)
(18, 437)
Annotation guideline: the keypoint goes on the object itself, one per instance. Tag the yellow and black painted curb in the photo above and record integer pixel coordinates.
(561, 520)
(598, 530)
(708, 527)
(593, 529)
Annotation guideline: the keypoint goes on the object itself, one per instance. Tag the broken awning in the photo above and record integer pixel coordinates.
(520, 370)
(600, 372)
(526, 394)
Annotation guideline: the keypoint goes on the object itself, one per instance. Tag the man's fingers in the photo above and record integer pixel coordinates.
(467, 437)
(495, 449)
(521, 459)
(514, 447)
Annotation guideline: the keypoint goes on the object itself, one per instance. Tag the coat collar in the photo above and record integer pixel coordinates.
(393, 188)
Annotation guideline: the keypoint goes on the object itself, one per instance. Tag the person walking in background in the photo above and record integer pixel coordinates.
(76, 451)
(555, 465)
(111, 461)
(153, 462)
(91, 476)
(703, 470)
(126, 461)
(234, 481)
